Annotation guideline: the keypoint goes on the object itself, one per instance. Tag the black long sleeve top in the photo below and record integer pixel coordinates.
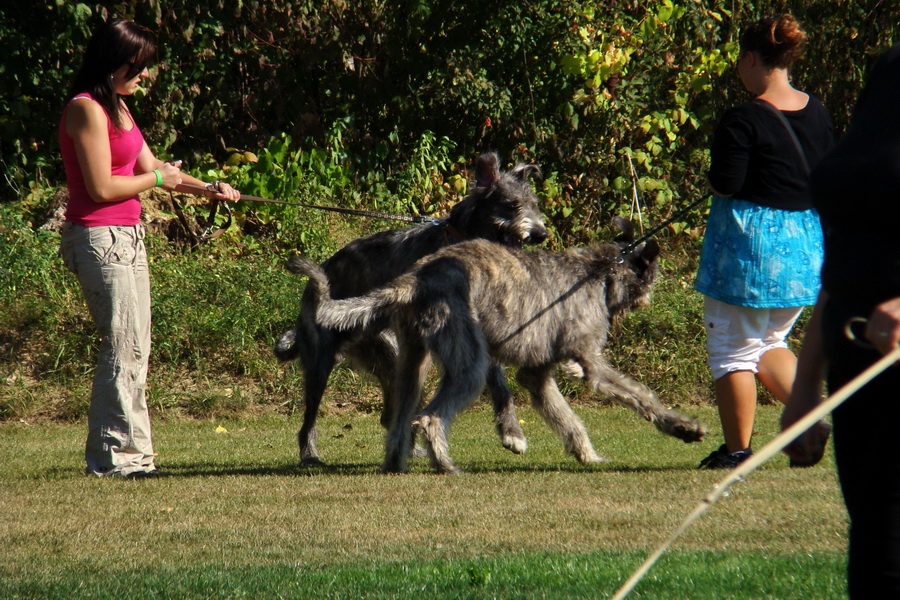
(754, 158)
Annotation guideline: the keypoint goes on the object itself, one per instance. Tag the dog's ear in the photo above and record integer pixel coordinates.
(650, 251)
(524, 172)
(626, 227)
(487, 170)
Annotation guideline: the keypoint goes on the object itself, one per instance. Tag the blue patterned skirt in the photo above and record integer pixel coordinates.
(760, 257)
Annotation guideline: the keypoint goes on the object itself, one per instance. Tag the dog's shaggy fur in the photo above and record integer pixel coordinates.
(477, 300)
(502, 208)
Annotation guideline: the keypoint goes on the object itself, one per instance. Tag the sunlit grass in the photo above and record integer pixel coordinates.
(237, 514)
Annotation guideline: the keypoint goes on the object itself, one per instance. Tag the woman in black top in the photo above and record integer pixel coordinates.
(763, 246)
(856, 189)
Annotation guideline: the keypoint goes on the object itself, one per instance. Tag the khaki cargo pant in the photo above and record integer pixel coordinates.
(112, 268)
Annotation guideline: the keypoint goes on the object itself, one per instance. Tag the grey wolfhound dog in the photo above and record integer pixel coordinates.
(502, 208)
(475, 301)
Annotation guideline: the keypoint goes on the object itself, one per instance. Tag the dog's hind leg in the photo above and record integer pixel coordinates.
(318, 362)
(377, 354)
(511, 435)
(460, 347)
(412, 367)
(641, 399)
(549, 402)
(454, 393)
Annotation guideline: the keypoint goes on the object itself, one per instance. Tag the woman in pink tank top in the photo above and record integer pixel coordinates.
(107, 165)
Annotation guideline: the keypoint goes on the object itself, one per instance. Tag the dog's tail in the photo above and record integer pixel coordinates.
(287, 348)
(357, 312)
(317, 277)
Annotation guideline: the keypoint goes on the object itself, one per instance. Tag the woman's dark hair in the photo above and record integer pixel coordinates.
(115, 43)
(779, 41)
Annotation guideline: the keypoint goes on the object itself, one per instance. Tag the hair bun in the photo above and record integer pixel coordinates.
(778, 40)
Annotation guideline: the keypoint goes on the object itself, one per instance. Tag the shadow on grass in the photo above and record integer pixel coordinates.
(175, 470)
(357, 469)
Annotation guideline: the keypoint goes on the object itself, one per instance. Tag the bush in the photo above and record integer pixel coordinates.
(380, 106)
(602, 95)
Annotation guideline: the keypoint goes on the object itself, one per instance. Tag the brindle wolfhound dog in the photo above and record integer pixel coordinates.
(475, 301)
(502, 208)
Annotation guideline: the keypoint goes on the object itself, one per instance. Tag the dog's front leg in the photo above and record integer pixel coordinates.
(549, 402)
(511, 435)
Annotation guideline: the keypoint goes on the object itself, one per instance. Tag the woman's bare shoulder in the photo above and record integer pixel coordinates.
(83, 111)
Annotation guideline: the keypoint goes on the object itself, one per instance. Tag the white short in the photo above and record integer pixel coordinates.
(737, 336)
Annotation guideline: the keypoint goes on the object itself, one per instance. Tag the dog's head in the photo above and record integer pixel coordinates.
(503, 207)
(638, 268)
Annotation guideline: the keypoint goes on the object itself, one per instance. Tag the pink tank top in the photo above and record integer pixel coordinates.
(124, 148)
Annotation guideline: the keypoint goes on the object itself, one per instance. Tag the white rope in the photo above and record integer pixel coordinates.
(757, 459)
(635, 198)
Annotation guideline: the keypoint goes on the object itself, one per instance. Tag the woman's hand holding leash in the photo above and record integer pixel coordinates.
(809, 447)
(881, 331)
(883, 328)
(223, 191)
(218, 190)
(171, 174)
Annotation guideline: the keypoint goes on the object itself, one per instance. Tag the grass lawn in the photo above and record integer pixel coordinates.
(236, 517)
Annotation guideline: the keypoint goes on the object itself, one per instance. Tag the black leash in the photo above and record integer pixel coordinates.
(630, 247)
(212, 190)
(207, 233)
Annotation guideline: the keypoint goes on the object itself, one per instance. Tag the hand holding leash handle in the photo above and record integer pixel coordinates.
(217, 190)
(851, 333)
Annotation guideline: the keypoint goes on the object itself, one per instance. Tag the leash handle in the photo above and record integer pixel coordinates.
(851, 334)
(198, 190)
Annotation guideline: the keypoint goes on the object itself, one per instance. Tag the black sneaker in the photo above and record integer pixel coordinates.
(154, 474)
(723, 459)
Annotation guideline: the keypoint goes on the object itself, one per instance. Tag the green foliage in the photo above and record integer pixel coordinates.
(36, 300)
(381, 106)
(588, 90)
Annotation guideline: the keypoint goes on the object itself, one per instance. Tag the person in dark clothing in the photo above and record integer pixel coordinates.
(856, 189)
(762, 250)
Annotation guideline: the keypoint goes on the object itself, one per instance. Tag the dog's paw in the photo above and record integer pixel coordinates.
(448, 469)
(515, 444)
(418, 451)
(592, 458)
(690, 431)
(285, 348)
(394, 465)
(572, 369)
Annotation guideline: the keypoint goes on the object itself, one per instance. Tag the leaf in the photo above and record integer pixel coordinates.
(221, 429)
(572, 64)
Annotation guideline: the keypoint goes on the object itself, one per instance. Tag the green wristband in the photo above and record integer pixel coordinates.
(158, 177)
